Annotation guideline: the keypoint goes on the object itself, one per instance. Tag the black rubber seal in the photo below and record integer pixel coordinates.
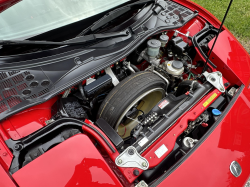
(100, 134)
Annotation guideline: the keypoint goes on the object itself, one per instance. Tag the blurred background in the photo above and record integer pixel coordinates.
(238, 19)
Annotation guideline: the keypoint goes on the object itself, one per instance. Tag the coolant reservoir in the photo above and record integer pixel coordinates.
(174, 67)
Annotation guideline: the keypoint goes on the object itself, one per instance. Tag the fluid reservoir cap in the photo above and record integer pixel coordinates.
(154, 43)
(216, 112)
(177, 64)
(164, 38)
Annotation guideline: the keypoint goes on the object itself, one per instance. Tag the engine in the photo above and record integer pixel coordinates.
(134, 103)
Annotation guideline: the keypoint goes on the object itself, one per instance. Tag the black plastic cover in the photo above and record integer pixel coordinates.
(98, 86)
(110, 132)
(218, 103)
(178, 46)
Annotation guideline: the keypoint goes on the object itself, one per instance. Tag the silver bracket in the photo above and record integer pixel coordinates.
(90, 80)
(215, 79)
(142, 184)
(109, 71)
(127, 64)
(47, 122)
(131, 158)
(178, 32)
(66, 93)
(189, 142)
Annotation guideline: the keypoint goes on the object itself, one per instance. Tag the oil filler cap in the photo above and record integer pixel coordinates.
(216, 112)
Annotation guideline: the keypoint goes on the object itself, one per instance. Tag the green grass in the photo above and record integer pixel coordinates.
(238, 19)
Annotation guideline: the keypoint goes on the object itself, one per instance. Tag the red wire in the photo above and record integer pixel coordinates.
(124, 132)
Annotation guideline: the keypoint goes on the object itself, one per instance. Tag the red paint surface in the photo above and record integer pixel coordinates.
(5, 180)
(5, 155)
(231, 57)
(127, 172)
(209, 164)
(75, 162)
(27, 121)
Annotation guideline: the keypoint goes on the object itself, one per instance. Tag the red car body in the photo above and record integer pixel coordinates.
(207, 165)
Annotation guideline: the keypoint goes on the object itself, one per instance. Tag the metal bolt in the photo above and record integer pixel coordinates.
(142, 183)
(174, 134)
(119, 161)
(144, 164)
(219, 74)
(213, 79)
(17, 147)
(222, 89)
(131, 151)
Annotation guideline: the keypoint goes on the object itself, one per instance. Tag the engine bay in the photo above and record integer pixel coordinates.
(143, 113)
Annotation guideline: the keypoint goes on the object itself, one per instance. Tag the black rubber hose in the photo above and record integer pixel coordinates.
(82, 91)
(134, 68)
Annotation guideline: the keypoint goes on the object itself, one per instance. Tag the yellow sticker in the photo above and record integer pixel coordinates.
(210, 100)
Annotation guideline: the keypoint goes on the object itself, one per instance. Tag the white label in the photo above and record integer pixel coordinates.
(161, 151)
(163, 104)
(143, 141)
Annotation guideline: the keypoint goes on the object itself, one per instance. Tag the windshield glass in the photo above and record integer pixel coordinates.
(32, 17)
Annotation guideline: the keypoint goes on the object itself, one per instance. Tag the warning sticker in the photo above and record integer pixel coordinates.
(143, 141)
(161, 151)
(210, 100)
(163, 104)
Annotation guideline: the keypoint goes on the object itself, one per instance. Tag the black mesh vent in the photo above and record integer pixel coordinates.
(18, 78)
(184, 15)
(10, 92)
(181, 9)
(43, 92)
(170, 8)
(16, 86)
(26, 73)
(177, 12)
(3, 107)
(188, 13)
(14, 101)
(32, 97)
(3, 75)
(22, 86)
(13, 72)
(5, 84)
